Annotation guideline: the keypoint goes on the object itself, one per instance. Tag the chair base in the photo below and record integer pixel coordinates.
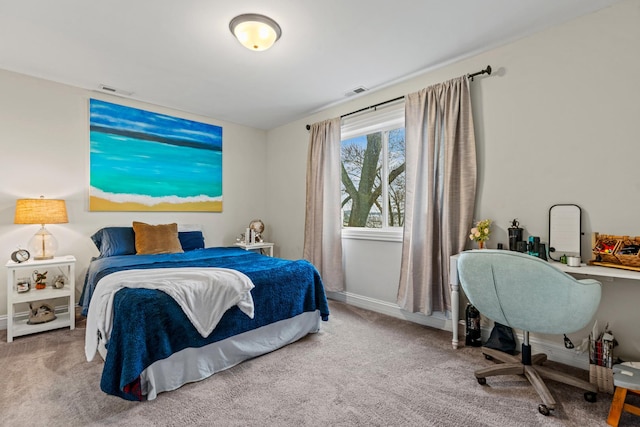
(618, 405)
(512, 365)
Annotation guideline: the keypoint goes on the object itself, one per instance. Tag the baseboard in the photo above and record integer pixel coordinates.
(437, 320)
(555, 352)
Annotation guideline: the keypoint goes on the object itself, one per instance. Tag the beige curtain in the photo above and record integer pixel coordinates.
(322, 228)
(440, 192)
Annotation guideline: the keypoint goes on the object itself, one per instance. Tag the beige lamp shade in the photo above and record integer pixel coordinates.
(40, 211)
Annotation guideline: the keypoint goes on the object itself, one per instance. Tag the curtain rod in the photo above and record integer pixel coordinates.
(470, 76)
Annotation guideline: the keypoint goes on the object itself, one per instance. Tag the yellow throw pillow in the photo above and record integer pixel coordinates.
(156, 239)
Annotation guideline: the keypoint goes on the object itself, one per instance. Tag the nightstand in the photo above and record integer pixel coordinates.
(59, 266)
(254, 246)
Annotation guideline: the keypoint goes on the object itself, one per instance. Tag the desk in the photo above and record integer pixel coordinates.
(584, 269)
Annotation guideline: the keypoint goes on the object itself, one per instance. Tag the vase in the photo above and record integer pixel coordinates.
(481, 245)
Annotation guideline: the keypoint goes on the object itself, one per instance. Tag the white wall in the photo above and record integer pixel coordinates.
(555, 123)
(44, 141)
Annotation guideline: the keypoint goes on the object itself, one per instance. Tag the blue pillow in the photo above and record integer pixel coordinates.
(112, 241)
(191, 240)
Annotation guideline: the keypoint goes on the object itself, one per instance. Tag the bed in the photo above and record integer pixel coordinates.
(146, 334)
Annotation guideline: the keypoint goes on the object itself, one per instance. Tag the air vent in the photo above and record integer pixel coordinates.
(356, 91)
(113, 90)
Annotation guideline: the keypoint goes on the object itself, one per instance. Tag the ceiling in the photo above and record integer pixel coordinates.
(181, 54)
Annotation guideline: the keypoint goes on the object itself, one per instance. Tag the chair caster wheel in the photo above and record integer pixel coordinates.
(482, 381)
(542, 408)
(590, 396)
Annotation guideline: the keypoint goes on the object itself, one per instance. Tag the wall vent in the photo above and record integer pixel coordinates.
(113, 90)
(356, 91)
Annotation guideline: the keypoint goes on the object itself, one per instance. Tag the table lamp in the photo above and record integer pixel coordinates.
(41, 211)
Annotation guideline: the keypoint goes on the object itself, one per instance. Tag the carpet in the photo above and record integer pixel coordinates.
(362, 369)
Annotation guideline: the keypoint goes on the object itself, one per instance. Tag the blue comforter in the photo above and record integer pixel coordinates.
(148, 325)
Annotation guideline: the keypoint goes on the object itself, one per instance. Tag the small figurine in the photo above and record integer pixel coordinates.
(257, 226)
(40, 279)
(58, 282)
(40, 312)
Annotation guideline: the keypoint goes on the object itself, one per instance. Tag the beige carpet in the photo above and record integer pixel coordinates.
(363, 369)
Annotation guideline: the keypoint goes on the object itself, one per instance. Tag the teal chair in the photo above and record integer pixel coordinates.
(524, 292)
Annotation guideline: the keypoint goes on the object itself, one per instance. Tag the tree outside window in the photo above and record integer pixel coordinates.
(373, 179)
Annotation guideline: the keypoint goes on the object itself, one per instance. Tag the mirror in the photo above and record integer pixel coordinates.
(564, 231)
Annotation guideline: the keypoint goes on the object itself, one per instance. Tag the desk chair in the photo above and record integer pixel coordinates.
(524, 292)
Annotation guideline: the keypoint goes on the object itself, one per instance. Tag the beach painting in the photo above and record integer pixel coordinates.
(145, 161)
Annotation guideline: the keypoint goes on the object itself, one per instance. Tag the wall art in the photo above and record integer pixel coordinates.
(146, 161)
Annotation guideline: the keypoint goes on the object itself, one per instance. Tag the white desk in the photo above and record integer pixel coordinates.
(584, 269)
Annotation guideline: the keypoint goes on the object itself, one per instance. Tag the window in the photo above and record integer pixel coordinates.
(373, 162)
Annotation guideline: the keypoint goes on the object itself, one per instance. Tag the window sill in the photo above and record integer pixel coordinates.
(372, 234)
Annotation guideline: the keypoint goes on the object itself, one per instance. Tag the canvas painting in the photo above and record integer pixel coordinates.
(145, 161)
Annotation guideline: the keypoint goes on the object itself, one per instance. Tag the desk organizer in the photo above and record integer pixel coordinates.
(615, 251)
(602, 377)
(601, 361)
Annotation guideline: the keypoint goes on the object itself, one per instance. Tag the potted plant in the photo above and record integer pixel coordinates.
(40, 279)
(480, 233)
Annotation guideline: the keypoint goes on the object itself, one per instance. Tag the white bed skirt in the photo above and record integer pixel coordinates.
(195, 364)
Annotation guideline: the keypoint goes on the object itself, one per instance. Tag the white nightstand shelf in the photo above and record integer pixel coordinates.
(254, 246)
(17, 323)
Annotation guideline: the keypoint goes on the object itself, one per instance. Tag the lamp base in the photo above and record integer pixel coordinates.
(43, 245)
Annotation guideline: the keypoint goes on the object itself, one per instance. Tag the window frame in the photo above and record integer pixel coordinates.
(383, 119)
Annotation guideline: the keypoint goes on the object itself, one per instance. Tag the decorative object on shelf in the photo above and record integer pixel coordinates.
(41, 211)
(21, 255)
(59, 281)
(23, 285)
(480, 233)
(257, 226)
(40, 312)
(515, 234)
(573, 261)
(255, 32)
(615, 251)
(40, 279)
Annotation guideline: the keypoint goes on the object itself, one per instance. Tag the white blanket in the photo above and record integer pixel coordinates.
(204, 294)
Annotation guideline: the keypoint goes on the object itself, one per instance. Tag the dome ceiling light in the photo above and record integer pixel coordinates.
(255, 32)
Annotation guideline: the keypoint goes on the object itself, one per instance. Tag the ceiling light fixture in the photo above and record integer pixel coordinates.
(255, 32)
